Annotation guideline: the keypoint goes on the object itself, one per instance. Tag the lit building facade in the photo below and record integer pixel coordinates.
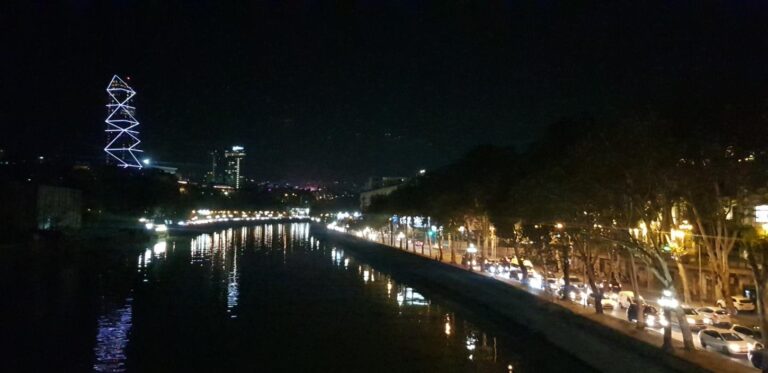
(216, 173)
(226, 167)
(233, 160)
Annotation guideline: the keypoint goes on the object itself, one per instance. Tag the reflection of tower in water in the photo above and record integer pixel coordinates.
(112, 339)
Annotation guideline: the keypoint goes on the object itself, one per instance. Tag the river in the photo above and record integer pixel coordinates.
(259, 298)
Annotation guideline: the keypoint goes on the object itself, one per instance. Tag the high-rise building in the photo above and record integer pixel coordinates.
(233, 172)
(122, 134)
(216, 173)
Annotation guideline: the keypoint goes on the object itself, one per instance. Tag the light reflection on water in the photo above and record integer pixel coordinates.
(242, 262)
(112, 338)
(224, 249)
(478, 344)
(114, 326)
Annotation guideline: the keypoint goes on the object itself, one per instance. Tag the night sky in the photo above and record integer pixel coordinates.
(322, 90)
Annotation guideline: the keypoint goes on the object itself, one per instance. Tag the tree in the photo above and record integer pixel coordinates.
(588, 249)
(717, 181)
(641, 187)
(756, 243)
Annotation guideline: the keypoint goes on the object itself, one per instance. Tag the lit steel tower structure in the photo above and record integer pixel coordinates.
(122, 140)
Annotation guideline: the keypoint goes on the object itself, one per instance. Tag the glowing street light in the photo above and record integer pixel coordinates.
(146, 161)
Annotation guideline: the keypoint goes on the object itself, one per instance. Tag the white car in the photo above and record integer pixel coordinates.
(741, 303)
(716, 315)
(551, 285)
(608, 301)
(695, 320)
(752, 335)
(723, 340)
(574, 281)
(626, 297)
(535, 281)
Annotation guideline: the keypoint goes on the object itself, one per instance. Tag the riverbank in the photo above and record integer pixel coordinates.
(603, 343)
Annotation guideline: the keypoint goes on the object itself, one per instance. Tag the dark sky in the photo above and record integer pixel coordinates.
(318, 90)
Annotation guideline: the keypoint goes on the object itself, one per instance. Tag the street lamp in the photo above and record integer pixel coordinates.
(668, 303)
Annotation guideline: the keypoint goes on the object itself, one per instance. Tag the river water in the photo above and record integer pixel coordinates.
(262, 298)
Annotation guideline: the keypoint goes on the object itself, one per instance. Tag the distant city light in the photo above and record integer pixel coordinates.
(237, 148)
(422, 172)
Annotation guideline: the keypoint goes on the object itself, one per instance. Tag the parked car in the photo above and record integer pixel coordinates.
(740, 302)
(716, 315)
(651, 316)
(695, 320)
(723, 340)
(515, 273)
(627, 297)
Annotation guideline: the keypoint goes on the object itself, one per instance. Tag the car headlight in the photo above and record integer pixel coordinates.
(535, 283)
(650, 321)
(750, 346)
(733, 347)
(690, 320)
(708, 321)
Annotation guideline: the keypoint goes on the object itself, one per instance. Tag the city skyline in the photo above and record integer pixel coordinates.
(426, 184)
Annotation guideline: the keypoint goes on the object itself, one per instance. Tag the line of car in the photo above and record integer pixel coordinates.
(714, 325)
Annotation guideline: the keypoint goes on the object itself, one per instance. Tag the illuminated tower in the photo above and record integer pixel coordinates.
(233, 176)
(122, 140)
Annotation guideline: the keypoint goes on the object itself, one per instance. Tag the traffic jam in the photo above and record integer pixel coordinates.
(713, 328)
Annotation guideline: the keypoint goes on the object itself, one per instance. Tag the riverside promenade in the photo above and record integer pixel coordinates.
(605, 343)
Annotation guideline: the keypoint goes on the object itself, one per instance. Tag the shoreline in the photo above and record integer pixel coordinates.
(606, 345)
